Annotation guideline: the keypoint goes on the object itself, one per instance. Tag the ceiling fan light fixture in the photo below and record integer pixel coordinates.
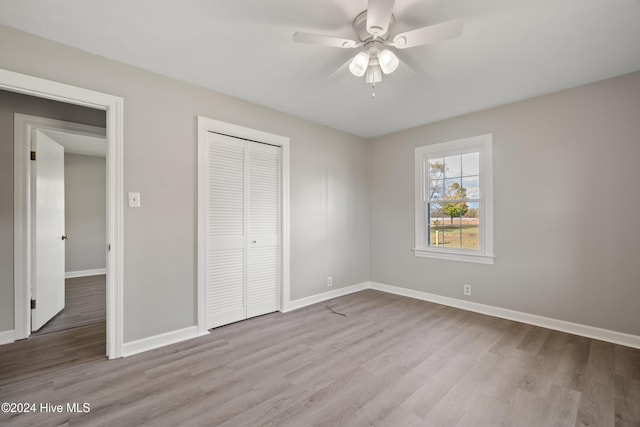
(359, 64)
(388, 61)
(373, 75)
(373, 30)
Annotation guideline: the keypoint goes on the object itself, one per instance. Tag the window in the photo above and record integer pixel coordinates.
(454, 200)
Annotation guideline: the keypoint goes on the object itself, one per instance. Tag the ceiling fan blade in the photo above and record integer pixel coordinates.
(404, 71)
(411, 63)
(324, 40)
(341, 72)
(427, 35)
(378, 16)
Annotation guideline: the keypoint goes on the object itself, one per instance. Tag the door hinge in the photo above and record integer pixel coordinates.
(33, 304)
(33, 155)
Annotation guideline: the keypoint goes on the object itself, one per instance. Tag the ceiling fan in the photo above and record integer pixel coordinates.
(373, 28)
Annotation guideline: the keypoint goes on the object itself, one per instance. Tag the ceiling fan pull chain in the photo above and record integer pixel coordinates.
(373, 89)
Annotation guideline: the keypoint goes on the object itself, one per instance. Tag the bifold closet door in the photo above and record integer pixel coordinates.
(225, 269)
(263, 223)
(243, 277)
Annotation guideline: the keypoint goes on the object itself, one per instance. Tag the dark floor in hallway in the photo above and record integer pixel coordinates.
(85, 304)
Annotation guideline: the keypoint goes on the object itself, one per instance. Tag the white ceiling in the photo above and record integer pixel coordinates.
(509, 50)
(76, 143)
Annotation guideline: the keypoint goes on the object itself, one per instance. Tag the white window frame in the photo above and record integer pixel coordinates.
(482, 144)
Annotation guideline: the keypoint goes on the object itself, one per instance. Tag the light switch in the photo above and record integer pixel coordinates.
(134, 200)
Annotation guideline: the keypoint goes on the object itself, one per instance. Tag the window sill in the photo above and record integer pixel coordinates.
(454, 256)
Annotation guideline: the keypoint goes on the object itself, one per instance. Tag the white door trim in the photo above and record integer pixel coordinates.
(113, 105)
(206, 125)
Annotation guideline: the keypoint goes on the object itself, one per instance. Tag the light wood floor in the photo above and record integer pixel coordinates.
(392, 361)
(85, 304)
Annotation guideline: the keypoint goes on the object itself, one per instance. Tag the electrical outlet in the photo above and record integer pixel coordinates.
(467, 289)
(329, 281)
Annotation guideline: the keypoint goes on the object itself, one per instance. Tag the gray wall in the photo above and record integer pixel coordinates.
(11, 103)
(85, 194)
(567, 238)
(329, 183)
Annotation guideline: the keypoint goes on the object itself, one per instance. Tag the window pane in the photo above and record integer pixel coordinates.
(436, 169)
(452, 188)
(471, 187)
(435, 182)
(452, 167)
(470, 164)
(451, 224)
(436, 189)
(471, 227)
(436, 232)
(454, 225)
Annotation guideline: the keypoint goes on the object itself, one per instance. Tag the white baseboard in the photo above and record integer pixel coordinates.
(532, 319)
(313, 299)
(85, 273)
(7, 337)
(157, 341)
(161, 340)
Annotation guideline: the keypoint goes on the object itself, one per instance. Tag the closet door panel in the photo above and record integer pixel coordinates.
(264, 234)
(226, 234)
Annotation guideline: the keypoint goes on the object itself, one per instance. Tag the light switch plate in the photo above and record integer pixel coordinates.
(134, 199)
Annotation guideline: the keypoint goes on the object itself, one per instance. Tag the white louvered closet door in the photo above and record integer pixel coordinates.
(225, 269)
(263, 250)
(243, 277)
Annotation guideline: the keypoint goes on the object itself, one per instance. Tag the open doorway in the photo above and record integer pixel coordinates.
(68, 188)
(111, 109)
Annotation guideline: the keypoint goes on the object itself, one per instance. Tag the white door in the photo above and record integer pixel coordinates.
(49, 231)
(243, 229)
(225, 231)
(263, 251)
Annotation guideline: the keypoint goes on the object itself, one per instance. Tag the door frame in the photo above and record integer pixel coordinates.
(113, 106)
(206, 125)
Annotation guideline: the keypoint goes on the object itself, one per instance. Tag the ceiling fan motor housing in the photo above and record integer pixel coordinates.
(360, 27)
(373, 47)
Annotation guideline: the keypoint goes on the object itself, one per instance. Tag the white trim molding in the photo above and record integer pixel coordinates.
(206, 125)
(518, 316)
(7, 337)
(161, 340)
(453, 256)
(113, 106)
(173, 337)
(85, 273)
(324, 296)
